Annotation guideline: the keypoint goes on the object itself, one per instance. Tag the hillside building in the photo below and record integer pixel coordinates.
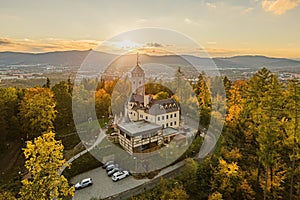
(149, 122)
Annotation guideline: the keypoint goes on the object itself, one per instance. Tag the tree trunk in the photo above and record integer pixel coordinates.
(293, 170)
(271, 180)
(258, 174)
(294, 146)
(266, 184)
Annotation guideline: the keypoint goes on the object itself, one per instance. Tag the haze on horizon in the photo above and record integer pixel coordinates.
(222, 28)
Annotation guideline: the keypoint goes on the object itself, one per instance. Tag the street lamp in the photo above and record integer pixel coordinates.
(134, 158)
(167, 152)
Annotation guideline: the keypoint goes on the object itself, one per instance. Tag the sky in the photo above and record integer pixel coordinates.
(222, 28)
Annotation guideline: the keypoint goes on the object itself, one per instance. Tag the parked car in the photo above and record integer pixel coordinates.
(84, 183)
(108, 163)
(114, 170)
(119, 175)
(110, 167)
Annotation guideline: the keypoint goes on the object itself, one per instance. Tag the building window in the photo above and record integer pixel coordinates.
(140, 82)
(167, 116)
(163, 125)
(175, 123)
(174, 114)
(146, 117)
(171, 116)
(163, 118)
(141, 116)
(171, 124)
(167, 125)
(158, 118)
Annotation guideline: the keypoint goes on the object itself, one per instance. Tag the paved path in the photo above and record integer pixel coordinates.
(100, 137)
(208, 145)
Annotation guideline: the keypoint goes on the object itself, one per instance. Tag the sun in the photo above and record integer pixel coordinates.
(127, 44)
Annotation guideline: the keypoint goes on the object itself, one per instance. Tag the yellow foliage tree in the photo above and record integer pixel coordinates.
(44, 158)
(177, 193)
(215, 196)
(37, 111)
(7, 196)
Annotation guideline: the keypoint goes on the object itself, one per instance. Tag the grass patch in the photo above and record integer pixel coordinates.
(82, 164)
(70, 141)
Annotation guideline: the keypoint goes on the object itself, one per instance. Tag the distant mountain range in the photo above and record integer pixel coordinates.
(75, 58)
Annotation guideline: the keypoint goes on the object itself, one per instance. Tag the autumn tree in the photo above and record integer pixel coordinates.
(268, 126)
(63, 99)
(37, 111)
(162, 95)
(119, 95)
(176, 193)
(292, 128)
(102, 103)
(81, 101)
(204, 175)
(215, 196)
(7, 196)
(202, 91)
(226, 178)
(9, 122)
(44, 159)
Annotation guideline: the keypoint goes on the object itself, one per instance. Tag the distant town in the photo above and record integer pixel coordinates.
(15, 70)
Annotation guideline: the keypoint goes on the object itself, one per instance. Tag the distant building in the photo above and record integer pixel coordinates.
(149, 122)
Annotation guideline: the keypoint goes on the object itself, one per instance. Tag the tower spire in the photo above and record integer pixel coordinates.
(137, 59)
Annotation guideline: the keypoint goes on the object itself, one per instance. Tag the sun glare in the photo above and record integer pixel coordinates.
(127, 44)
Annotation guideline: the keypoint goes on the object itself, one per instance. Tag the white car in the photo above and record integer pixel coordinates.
(84, 183)
(119, 175)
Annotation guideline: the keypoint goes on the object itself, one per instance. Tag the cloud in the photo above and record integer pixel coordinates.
(45, 45)
(247, 10)
(279, 7)
(211, 43)
(154, 44)
(141, 20)
(4, 41)
(211, 5)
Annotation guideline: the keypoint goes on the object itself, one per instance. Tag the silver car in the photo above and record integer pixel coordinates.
(84, 183)
(110, 167)
(114, 170)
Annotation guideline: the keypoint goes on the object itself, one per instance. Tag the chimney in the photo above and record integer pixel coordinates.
(146, 100)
